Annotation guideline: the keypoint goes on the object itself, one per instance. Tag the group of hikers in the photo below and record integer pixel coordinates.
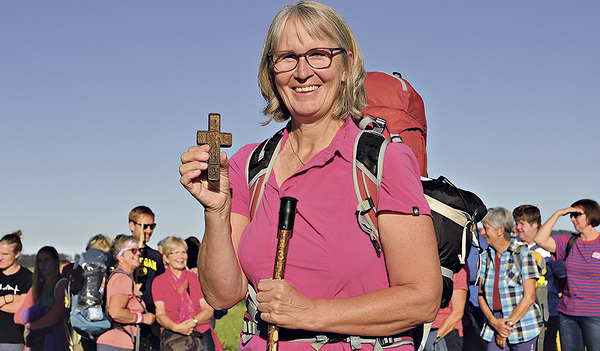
(149, 299)
(362, 267)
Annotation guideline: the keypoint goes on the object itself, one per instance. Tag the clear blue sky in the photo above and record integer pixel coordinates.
(98, 99)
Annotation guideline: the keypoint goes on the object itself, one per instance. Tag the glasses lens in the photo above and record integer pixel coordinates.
(575, 214)
(134, 251)
(319, 58)
(285, 61)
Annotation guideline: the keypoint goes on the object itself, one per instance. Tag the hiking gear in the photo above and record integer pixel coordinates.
(85, 292)
(455, 211)
(541, 290)
(393, 99)
(122, 327)
(317, 339)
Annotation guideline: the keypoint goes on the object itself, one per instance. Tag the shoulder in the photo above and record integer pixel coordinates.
(25, 273)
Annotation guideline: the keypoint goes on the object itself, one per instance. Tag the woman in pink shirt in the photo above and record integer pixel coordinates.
(180, 305)
(337, 292)
(124, 302)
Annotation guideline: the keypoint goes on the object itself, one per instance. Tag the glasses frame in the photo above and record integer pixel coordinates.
(134, 250)
(332, 53)
(575, 214)
(146, 226)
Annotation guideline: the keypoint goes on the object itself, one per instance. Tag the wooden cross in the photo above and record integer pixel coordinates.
(216, 140)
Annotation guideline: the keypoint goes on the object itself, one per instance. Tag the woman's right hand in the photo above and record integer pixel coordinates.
(214, 196)
(148, 318)
(186, 327)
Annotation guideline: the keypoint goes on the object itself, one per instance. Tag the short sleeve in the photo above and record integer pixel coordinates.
(529, 268)
(401, 189)
(240, 196)
(460, 280)
(561, 245)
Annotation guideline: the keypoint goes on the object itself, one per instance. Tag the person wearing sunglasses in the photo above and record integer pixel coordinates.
(141, 224)
(579, 307)
(338, 292)
(125, 306)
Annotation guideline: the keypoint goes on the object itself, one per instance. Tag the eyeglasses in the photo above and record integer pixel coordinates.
(146, 226)
(134, 250)
(319, 58)
(576, 214)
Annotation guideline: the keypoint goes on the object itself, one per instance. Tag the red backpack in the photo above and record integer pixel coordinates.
(393, 99)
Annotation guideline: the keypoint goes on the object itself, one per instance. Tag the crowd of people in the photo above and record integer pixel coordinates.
(338, 293)
(152, 297)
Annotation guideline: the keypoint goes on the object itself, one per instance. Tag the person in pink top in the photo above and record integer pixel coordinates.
(447, 328)
(123, 298)
(337, 292)
(180, 305)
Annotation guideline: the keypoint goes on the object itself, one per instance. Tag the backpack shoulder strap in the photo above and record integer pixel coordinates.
(259, 166)
(367, 171)
(570, 245)
(517, 257)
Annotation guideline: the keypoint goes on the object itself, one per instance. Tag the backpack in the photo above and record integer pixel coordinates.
(455, 211)
(541, 288)
(393, 99)
(86, 288)
(563, 281)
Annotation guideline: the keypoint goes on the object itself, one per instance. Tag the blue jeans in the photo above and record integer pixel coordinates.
(577, 332)
(429, 346)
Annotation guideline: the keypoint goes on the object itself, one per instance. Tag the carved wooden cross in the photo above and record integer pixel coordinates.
(216, 140)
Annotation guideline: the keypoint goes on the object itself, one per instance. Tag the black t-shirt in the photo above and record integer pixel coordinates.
(151, 265)
(18, 283)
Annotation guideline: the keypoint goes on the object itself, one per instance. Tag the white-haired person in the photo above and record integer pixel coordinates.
(507, 287)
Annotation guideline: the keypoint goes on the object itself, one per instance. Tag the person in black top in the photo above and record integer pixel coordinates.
(141, 223)
(15, 281)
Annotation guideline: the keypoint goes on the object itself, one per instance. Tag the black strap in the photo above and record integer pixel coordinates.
(570, 245)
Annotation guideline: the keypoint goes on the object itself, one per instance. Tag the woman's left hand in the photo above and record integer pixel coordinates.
(500, 341)
(280, 303)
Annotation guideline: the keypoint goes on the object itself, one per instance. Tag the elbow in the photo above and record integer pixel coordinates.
(431, 302)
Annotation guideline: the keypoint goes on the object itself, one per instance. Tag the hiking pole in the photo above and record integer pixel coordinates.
(287, 212)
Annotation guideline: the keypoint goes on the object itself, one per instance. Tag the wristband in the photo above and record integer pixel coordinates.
(139, 318)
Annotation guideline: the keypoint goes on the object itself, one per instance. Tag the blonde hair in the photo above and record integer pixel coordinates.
(100, 242)
(169, 244)
(321, 21)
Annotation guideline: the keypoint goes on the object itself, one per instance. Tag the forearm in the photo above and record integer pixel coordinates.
(221, 277)
(10, 303)
(381, 313)
(206, 314)
(542, 237)
(124, 316)
(459, 299)
(525, 303)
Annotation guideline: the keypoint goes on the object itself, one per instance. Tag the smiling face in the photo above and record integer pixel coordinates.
(142, 229)
(177, 259)
(130, 259)
(579, 220)
(526, 231)
(308, 93)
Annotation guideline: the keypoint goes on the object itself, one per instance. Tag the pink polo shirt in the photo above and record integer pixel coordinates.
(329, 255)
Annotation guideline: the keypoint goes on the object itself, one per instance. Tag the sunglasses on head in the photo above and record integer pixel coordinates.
(576, 214)
(146, 226)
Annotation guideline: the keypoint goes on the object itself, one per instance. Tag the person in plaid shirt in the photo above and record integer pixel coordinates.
(506, 295)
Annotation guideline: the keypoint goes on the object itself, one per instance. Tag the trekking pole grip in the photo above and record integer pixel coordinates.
(287, 212)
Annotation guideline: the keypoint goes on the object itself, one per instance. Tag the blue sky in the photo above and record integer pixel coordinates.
(98, 99)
